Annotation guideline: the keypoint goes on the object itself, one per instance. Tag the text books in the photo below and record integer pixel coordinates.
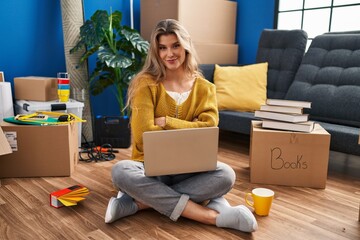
(300, 127)
(69, 196)
(282, 109)
(294, 118)
(288, 103)
(285, 115)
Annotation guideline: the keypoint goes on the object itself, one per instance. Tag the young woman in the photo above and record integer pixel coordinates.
(170, 93)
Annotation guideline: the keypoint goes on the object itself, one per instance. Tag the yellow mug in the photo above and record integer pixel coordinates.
(262, 199)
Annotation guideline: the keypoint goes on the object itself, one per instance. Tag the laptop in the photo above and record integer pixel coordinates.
(180, 151)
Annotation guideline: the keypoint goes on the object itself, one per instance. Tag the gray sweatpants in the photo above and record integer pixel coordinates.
(170, 194)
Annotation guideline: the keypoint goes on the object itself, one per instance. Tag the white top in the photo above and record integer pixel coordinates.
(179, 97)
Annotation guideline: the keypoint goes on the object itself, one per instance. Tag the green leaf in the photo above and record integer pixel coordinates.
(114, 60)
(101, 21)
(135, 39)
(79, 45)
(116, 20)
(128, 75)
(100, 85)
(88, 53)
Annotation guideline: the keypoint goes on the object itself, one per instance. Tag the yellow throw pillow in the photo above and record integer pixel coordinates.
(241, 88)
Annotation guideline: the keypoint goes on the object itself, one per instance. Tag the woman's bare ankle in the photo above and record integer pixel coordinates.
(141, 205)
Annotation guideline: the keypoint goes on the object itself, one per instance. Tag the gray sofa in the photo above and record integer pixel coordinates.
(328, 75)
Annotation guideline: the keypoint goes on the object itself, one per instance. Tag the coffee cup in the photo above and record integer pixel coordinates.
(261, 200)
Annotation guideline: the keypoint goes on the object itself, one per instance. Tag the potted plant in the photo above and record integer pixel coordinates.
(120, 52)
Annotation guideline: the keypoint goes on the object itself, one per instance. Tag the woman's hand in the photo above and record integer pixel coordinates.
(160, 121)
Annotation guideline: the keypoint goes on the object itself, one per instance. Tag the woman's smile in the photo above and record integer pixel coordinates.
(171, 52)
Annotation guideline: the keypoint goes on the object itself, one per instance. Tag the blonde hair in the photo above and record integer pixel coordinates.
(153, 65)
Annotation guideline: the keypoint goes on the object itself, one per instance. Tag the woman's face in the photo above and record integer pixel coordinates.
(171, 52)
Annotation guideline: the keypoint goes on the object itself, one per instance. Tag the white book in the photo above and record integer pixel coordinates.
(282, 109)
(282, 116)
(289, 103)
(298, 127)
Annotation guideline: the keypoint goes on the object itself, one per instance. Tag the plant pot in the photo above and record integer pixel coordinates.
(112, 130)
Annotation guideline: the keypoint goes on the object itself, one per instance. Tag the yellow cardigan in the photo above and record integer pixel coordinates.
(152, 101)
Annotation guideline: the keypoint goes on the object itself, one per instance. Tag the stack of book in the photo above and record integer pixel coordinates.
(285, 115)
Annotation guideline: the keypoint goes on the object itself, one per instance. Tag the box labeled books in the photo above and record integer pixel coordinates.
(289, 158)
(68, 196)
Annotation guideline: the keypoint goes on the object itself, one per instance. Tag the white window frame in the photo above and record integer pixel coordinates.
(331, 7)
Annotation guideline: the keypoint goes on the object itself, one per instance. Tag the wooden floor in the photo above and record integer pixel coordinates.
(297, 213)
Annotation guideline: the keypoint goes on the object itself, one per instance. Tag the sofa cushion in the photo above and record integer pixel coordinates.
(329, 77)
(283, 50)
(208, 70)
(241, 88)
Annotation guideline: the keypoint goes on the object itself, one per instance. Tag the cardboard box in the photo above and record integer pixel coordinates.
(4, 144)
(206, 21)
(289, 158)
(211, 53)
(35, 88)
(39, 151)
(72, 106)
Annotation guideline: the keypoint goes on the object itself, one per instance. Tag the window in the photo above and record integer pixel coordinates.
(318, 17)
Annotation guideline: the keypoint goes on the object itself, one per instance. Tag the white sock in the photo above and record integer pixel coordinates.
(239, 217)
(120, 207)
(218, 204)
(120, 194)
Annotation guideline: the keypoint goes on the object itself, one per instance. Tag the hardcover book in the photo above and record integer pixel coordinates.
(282, 116)
(298, 127)
(282, 109)
(289, 103)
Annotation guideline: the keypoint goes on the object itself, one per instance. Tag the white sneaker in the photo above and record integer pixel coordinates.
(110, 211)
(120, 207)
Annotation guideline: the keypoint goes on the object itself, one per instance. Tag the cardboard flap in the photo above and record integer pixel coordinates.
(4, 144)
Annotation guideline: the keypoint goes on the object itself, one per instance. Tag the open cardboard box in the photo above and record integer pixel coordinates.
(38, 151)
